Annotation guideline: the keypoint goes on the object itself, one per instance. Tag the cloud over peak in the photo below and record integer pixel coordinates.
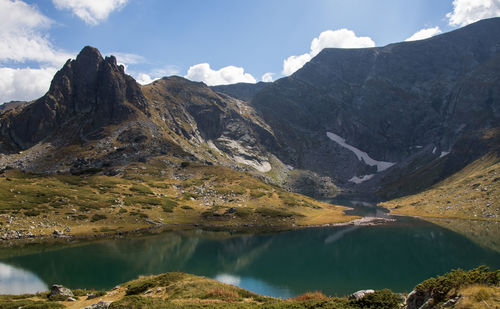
(341, 38)
(224, 76)
(424, 34)
(468, 11)
(90, 11)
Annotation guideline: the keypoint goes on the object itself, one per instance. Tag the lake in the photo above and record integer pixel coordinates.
(335, 260)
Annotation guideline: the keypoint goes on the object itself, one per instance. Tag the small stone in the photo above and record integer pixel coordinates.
(99, 305)
(70, 299)
(148, 292)
(360, 294)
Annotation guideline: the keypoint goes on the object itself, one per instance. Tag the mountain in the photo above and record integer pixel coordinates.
(370, 117)
(240, 91)
(389, 120)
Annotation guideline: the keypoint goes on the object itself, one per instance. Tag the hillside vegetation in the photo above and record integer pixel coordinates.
(472, 193)
(159, 193)
(465, 289)
(467, 202)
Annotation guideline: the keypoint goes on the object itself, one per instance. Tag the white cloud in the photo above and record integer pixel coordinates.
(144, 79)
(24, 84)
(424, 34)
(468, 11)
(21, 38)
(127, 58)
(90, 11)
(227, 75)
(341, 38)
(294, 63)
(267, 77)
(149, 77)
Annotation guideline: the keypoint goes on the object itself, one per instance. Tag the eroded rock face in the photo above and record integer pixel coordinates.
(417, 299)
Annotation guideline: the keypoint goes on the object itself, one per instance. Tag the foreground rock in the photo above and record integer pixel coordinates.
(360, 294)
(58, 289)
(99, 305)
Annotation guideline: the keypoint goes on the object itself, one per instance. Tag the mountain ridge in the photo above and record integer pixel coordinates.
(406, 104)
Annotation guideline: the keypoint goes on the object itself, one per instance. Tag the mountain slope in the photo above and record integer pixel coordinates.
(390, 120)
(398, 104)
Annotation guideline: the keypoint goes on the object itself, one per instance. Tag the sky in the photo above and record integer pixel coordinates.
(214, 41)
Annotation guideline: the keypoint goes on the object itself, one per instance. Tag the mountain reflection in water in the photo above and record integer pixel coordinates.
(335, 260)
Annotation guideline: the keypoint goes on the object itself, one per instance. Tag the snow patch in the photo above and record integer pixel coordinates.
(289, 167)
(361, 179)
(362, 156)
(444, 153)
(434, 150)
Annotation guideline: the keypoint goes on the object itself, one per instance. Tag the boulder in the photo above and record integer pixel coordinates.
(360, 294)
(99, 305)
(416, 299)
(58, 289)
(57, 233)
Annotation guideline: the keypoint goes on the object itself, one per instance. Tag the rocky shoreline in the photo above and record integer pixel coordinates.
(13, 237)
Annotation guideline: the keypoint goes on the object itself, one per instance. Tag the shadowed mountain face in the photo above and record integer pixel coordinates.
(398, 103)
(241, 91)
(393, 119)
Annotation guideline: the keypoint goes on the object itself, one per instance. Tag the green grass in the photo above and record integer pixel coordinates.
(276, 213)
(140, 189)
(97, 217)
(451, 282)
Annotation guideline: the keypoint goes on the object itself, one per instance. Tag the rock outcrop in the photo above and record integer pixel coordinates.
(91, 91)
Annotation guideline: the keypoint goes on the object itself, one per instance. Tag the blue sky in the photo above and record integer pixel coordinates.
(222, 41)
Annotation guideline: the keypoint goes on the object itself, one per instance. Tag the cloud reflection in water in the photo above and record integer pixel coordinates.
(14, 280)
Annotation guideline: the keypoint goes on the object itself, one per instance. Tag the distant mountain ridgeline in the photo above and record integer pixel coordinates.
(392, 120)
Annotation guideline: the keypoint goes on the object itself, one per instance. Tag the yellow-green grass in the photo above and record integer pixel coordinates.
(159, 191)
(472, 193)
(180, 290)
(479, 296)
(478, 288)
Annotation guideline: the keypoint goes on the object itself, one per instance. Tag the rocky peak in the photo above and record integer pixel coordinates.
(90, 90)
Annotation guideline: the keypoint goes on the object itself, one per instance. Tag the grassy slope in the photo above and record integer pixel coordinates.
(478, 288)
(160, 190)
(179, 290)
(473, 193)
